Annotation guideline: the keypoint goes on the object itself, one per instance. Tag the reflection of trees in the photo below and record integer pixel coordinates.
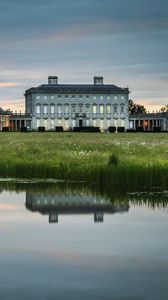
(114, 194)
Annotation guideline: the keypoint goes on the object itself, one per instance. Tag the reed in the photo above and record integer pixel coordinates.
(132, 160)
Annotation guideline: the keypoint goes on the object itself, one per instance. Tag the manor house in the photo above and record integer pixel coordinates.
(77, 105)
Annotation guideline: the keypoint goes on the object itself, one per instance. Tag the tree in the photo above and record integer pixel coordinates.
(136, 108)
(164, 108)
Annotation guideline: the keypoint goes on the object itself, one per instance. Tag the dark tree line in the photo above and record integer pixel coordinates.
(164, 108)
(136, 108)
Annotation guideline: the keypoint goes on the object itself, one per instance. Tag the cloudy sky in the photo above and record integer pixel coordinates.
(125, 41)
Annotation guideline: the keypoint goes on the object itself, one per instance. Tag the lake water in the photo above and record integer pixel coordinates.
(65, 244)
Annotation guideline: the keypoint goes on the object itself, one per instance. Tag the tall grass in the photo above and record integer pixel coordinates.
(132, 160)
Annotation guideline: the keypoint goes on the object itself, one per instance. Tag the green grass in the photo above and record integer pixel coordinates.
(134, 160)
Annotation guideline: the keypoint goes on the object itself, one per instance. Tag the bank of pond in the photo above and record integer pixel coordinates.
(135, 161)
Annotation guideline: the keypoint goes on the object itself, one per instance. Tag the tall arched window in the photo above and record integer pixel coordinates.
(108, 108)
(94, 108)
(38, 108)
(80, 107)
(73, 108)
(87, 107)
(115, 108)
(52, 109)
(101, 108)
(122, 108)
(66, 108)
(59, 108)
(45, 109)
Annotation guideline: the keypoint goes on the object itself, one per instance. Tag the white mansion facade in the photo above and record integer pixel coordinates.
(76, 105)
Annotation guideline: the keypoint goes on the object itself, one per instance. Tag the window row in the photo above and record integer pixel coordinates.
(95, 109)
(52, 97)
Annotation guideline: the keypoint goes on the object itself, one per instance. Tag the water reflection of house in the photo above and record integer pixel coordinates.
(57, 204)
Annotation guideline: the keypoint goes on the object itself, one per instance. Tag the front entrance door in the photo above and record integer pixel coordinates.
(80, 123)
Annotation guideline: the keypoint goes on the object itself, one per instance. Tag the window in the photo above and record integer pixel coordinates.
(87, 96)
(38, 109)
(101, 124)
(73, 108)
(87, 107)
(101, 97)
(108, 108)
(2, 119)
(45, 109)
(66, 108)
(115, 108)
(87, 122)
(52, 97)
(80, 108)
(101, 108)
(37, 97)
(73, 123)
(52, 124)
(108, 97)
(122, 97)
(115, 97)
(94, 123)
(73, 96)
(52, 110)
(66, 124)
(80, 96)
(94, 98)
(66, 96)
(45, 97)
(38, 123)
(59, 108)
(122, 108)
(94, 108)
(108, 123)
(59, 96)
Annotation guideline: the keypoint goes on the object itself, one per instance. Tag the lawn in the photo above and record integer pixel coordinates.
(120, 158)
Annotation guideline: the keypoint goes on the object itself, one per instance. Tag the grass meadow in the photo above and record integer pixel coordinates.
(134, 160)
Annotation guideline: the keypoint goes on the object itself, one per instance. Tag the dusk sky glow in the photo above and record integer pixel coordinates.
(125, 41)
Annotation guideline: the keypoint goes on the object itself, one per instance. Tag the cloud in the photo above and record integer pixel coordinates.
(39, 19)
(4, 206)
(125, 41)
(8, 84)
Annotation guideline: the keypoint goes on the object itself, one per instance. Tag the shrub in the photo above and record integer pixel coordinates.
(5, 128)
(41, 128)
(59, 128)
(157, 129)
(130, 130)
(113, 160)
(23, 129)
(112, 129)
(139, 129)
(120, 129)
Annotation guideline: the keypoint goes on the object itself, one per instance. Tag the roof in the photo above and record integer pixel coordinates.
(77, 89)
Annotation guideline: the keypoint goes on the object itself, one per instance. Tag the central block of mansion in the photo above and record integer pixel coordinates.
(76, 105)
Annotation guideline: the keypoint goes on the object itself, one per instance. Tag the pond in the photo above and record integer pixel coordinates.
(63, 242)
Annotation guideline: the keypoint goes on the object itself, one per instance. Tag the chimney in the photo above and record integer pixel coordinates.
(52, 80)
(98, 80)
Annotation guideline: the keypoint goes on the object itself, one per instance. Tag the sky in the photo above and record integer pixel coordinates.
(125, 41)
